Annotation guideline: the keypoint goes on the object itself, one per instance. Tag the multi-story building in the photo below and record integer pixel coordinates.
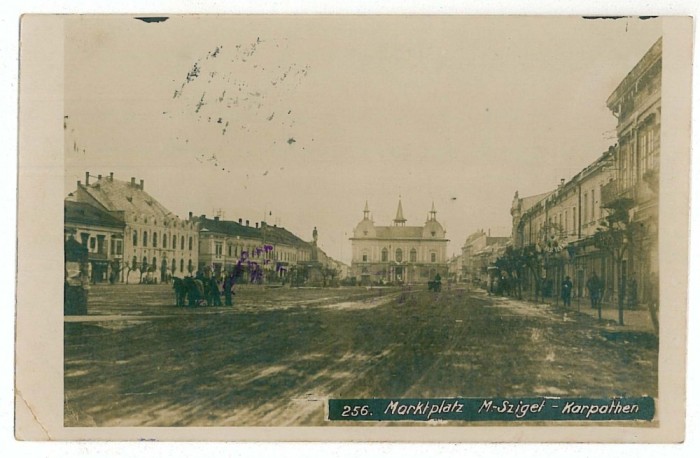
(398, 253)
(454, 268)
(101, 233)
(222, 244)
(636, 103)
(479, 252)
(156, 241)
(560, 225)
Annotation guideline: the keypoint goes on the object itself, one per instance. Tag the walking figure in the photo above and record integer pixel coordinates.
(566, 287)
(594, 287)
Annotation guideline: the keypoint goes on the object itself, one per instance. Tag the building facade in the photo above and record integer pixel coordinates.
(398, 253)
(560, 227)
(224, 244)
(479, 252)
(636, 103)
(157, 243)
(101, 233)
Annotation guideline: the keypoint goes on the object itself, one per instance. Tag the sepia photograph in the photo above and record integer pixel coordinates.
(346, 222)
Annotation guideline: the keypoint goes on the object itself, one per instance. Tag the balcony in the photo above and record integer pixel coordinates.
(613, 191)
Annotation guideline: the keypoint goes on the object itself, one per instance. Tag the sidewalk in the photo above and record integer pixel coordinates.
(635, 319)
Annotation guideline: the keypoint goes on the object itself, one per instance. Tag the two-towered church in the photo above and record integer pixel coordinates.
(398, 253)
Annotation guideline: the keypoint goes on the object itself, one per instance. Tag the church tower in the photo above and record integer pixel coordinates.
(399, 220)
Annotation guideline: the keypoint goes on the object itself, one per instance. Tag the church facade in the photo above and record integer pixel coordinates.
(398, 254)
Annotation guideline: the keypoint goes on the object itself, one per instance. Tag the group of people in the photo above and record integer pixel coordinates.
(204, 289)
(594, 285)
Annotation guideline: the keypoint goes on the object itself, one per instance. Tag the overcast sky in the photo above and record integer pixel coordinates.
(307, 117)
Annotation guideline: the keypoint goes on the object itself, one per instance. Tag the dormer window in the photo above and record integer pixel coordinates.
(432, 233)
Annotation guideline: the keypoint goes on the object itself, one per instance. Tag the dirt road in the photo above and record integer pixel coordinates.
(279, 354)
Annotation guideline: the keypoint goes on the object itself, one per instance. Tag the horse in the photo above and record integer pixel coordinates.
(180, 289)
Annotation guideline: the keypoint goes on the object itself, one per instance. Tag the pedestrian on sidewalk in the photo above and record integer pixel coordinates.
(594, 287)
(566, 287)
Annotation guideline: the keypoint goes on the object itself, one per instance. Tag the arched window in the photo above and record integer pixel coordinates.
(173, 266)
(174, 242)
(365, 256)
(153, 262)
(133, 263)
(145, 238)
(413, 255)
(182, 242)
(144, 263)
(165, 240)
(399, 255)
(155, 239)
(189, 266)
(433, 256)
(190, 244)
(385, 255)
(135, 238)
(182, 265)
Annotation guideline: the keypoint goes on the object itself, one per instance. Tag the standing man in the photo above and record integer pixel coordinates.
(566, 287)
(214, 293)
(228, 289)
(594, 286)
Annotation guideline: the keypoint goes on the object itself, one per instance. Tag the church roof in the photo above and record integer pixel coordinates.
(399, 214)
(399, 232)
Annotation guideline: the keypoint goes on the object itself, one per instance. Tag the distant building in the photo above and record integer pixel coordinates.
(101, 233)
(454, 268)
(398, 253)
(157, 243)
(479, 252)
(222, 244)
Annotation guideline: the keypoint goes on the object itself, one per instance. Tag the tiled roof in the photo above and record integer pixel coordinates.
(84, 213)
(530, 201)
(265, 233)
(117, 195)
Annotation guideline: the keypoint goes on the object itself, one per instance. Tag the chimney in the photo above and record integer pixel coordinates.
(247, 222)
(141, 185)
(87, 178)
(216, 218)
(111, 176)
(78, 183)
(99, 177)
(190, 216)
(561, 182)
(133, 181)
(240, 221)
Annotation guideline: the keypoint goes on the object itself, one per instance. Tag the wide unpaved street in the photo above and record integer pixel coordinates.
(277, 355)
